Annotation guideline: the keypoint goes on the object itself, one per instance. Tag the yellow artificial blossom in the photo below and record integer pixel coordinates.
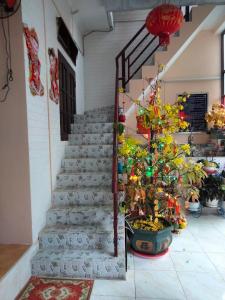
(121, 90)
(216, 117)
(178, 161)
(186, 148)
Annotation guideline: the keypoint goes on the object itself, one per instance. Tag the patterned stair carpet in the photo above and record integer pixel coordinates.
(77, 241)
(49, 289)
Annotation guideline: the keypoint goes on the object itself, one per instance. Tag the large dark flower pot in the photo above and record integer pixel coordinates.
(150, 242)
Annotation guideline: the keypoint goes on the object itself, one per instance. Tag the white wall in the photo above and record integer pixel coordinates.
(31, 150)
(46, 148)
(99, 66)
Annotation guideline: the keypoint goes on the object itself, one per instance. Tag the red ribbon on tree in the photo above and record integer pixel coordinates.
(163, 21)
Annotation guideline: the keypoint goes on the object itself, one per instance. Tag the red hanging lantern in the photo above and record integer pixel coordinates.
(164, 20)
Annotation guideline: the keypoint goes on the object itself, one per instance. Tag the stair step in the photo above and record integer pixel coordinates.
(83, 196)
(84, 179)
(81, 215)
(79, 264)
(92, 128)
(95, 118)
(76, 237)
(87, 164)
(82, 151)
(102, 110)
(91, 138)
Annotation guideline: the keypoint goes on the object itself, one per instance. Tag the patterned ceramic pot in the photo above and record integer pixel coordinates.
(150, 242)
(212, 203)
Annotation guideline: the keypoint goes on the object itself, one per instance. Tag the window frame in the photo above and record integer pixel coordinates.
(222, 66)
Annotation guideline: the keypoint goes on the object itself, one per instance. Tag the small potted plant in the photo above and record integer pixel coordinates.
(212, 191)
(193, 203)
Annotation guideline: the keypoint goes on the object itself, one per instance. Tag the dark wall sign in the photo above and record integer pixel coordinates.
(195, 109)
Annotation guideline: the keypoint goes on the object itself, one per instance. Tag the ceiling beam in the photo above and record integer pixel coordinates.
(123, 5)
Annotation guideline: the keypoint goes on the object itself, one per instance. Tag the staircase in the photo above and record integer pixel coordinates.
(201, 15)
(77, 241)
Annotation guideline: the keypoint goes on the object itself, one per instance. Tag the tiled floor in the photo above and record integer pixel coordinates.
(194, 269)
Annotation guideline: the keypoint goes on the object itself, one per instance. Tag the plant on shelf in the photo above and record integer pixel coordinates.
(212, 190)
(159, 175)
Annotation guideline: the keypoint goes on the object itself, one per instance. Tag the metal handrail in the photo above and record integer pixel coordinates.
(115, 162)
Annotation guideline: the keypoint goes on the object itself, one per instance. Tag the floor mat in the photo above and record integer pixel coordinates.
(56, 289)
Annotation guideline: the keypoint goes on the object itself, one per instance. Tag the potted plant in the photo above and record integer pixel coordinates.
(212, 191)
(158, 175)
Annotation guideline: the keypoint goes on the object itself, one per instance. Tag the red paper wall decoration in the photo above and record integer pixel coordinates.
(36, 87)
(54, 76)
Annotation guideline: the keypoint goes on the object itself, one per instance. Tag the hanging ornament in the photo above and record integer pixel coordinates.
(134, 178)
(122, 117)
(163, 21)
(130, 161)
(182, 115)
(141, 128)
(177, 208)
(120, 167)
(161, 145)
(120, 128)
(149, 172)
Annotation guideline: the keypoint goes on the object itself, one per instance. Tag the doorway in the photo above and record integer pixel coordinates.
(67, 88)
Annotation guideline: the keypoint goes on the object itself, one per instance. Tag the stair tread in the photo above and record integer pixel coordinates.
(78, 229)
(62, 254)
(93, 123)
(84, 172)
(101, 188)
(101, 133)
(75, 208)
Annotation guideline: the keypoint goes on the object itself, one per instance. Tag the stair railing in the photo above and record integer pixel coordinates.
(144, 45)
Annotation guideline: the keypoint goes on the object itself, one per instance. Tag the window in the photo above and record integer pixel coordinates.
(194, 110)
(223, 65)
(67, 89)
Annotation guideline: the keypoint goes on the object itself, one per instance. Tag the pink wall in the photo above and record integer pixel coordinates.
(196, 71)
(15, 210)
